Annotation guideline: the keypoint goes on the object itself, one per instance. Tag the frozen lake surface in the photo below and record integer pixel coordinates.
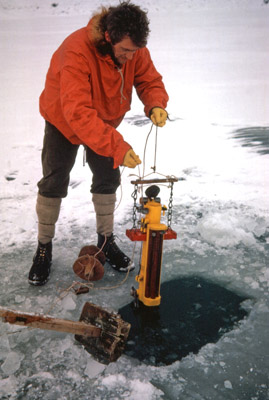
(209, 338)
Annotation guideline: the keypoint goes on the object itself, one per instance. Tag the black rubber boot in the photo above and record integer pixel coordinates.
(116, 258)
(40, 270)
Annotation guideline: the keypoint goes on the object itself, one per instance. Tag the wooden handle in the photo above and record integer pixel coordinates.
(45, 322)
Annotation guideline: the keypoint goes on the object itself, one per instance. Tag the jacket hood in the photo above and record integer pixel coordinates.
(95, 30)
(96, 35)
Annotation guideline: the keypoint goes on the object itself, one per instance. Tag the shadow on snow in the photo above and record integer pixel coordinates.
(257, 137)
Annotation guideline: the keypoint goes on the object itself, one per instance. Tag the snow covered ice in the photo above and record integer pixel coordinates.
(214, 60)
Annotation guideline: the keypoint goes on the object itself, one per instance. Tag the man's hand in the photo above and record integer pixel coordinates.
(131, 160)
(158, 116)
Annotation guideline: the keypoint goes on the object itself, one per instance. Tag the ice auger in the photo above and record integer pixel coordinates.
(152, 233)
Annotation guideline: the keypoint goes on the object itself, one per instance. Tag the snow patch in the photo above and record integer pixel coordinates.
(136, 388)
(231, 227)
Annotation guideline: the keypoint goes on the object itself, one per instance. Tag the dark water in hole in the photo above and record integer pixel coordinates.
(192, 313)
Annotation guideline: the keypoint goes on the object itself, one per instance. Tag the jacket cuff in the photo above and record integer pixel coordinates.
(119, 156)
(148, 109)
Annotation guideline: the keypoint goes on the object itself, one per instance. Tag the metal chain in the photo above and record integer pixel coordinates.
(170, 207)
(134, 196)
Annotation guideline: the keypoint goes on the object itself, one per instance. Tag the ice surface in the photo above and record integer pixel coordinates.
(214, 59)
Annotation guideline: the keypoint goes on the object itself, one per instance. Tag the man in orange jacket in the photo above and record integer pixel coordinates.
(87, 92)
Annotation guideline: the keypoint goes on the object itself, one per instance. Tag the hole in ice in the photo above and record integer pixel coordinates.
(192, 313)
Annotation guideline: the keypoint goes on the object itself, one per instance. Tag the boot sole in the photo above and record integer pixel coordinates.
(36, 283)
(130, 267)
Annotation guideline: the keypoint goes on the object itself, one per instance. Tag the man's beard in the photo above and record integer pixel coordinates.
(106, 49)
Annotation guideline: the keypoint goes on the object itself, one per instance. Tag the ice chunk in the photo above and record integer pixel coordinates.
(260, 227)
(37, 353)
(42, 375)
(19, 298)
(255, 285)
(114, 380)
(93, 368)
(68, 303)
(74, 376)
(143, 390)
(225, 229)
(228, 385)
(4, 347)
(12, 363)
(266, 275)
(8, 386)
(137, 389)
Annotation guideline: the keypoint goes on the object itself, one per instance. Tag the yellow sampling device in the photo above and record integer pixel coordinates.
(152, 232)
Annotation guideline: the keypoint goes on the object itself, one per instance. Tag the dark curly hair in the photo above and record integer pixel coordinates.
(126, 19)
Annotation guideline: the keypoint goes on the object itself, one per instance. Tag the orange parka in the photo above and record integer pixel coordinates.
(86, 95)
